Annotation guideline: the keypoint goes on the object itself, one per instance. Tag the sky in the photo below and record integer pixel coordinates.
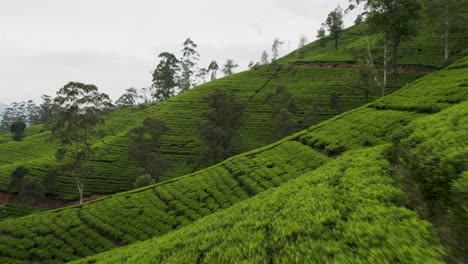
(114, 43)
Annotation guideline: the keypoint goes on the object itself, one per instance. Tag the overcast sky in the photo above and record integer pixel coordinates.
(114, 43)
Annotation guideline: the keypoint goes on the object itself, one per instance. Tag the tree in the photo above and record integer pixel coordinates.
(129, 98)
(283, 111)
(312, 116)
(17, 178)
(275, 49)
(264, 59)
(253, 65)
(335, 102)
(301, 48)
(228, 67)
(16, 111)
(165, 77)
(334, 24)
(32, 187)
(145, 147)
(81, 107)
(443, 16)
(17, 128)
(396, 19)
(363, 80)
(48, 109)
(213, 68)
(188, 65)
(222, 122)
(201, 74)
(321, 32)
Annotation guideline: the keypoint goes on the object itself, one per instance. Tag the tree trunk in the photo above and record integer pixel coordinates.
(336, 42)
(369, 51)
(396, 42)
(384, 85)
(446, 33)
(80, 186)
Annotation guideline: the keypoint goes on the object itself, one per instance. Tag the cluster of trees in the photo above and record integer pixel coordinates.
(27, 113)
(264, 59)
(175, 75)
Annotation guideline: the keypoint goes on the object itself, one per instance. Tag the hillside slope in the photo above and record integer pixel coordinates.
(121, 219)
(113, 171)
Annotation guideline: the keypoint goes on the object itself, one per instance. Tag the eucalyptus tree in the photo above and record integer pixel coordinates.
(228, 67)
(188, 65)
(81, 108)
(301, 49)
(165, 78)
(445, 15)
(213, 69)
(334, 24)
(264, 59)
(129, 98)
(396, 19)
(275, 49)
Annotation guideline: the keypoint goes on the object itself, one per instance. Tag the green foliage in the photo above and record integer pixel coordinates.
(145, 148)
(334, 24)
(32, 187)
(434, 153)
(165, 77)
(17, 177)
(8, 211)
(127, 99)
(153, 211)
(364, 80)
(222, 122)
(347, 211)
(143, 180)
(81, 109)
(17, 128)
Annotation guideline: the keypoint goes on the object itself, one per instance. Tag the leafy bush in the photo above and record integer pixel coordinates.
(143, 180)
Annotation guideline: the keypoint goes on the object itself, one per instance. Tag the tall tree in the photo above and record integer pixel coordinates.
(129, 98)
(228, 67)
(145, 147)
(444, 15)
(165, 77)
(213, 69)
(222, 122)
(334, 24)
(188, 65)
(81, 107)
(275, 49)
(312, 116)
(396, 19)
(264, 59)
(301, 48)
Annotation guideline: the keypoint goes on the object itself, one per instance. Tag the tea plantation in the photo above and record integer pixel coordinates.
(304, 215)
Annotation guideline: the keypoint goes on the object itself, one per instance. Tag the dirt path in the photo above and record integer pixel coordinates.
(45, 202)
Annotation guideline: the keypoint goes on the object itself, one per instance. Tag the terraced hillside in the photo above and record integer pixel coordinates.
(113, 171)
(370, 198)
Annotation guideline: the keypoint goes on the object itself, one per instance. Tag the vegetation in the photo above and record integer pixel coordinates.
(146, 147)
(81, 108)
(369, 214)
(349, 210)
(17, 129)
(222, 122)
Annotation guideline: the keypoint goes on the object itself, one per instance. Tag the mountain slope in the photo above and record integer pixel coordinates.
(128, 217)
